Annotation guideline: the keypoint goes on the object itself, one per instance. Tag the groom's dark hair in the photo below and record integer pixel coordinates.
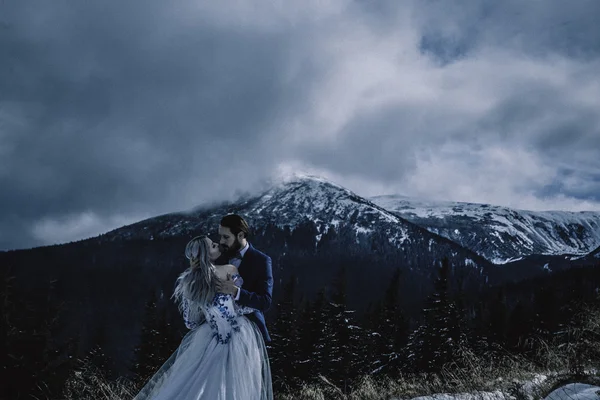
(236, 224)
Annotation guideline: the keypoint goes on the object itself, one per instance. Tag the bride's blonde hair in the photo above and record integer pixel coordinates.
(196, 284)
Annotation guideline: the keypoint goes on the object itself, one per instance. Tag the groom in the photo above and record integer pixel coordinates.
(254, 267)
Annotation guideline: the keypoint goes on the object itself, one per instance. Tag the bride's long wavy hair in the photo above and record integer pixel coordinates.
(197, 283)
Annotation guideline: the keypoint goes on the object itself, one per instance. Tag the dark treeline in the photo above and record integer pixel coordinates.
(322, 338)
(62, 307)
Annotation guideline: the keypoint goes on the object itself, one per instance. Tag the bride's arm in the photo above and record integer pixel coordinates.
(186, 316)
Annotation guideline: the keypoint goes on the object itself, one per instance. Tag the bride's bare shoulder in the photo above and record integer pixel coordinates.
(227, 269)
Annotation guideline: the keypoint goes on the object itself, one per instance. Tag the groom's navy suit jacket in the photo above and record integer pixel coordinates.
(257, 290)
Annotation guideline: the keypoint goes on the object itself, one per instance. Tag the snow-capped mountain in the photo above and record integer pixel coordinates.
(501, 234)
(309, 220)
(287, 204)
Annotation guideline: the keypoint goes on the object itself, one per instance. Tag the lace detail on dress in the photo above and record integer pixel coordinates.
(223, 319)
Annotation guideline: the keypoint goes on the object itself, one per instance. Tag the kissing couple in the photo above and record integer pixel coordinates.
(222, 295)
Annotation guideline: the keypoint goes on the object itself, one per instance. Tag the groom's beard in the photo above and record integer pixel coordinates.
(230, 251)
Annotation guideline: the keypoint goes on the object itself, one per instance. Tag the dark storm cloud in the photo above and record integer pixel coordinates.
(121, 110)
(111, 112)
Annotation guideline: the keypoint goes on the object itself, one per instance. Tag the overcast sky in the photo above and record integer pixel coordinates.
(113, 111)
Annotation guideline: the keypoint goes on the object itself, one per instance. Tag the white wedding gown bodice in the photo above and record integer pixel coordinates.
(222, 357)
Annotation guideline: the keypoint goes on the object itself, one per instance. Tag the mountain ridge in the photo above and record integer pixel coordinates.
(501, 234)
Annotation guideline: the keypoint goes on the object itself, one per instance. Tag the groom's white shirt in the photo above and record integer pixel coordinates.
(237, 262)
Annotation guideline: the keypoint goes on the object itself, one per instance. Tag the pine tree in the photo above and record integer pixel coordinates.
(168, 339)
(341, 348)
(519, 327)
(60, 354)
(361, 348)
(397, 321)
(391, 325)
(307, 340)
(97, 357)
(146, 354)
(284, 353)
(434, 343)
(546, 317)
(373, 342)
(320, 333)
(498, 319)
(314, 334)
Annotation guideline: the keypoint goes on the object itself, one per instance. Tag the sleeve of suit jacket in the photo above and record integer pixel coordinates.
(261, 298)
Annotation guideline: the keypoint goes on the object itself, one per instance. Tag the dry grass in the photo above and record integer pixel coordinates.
(507, 377)
(510, 379)
(88, 383)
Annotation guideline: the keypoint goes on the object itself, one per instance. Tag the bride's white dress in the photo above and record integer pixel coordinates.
(221, 358)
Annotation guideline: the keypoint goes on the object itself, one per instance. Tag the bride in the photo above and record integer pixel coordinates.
(223, 356)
